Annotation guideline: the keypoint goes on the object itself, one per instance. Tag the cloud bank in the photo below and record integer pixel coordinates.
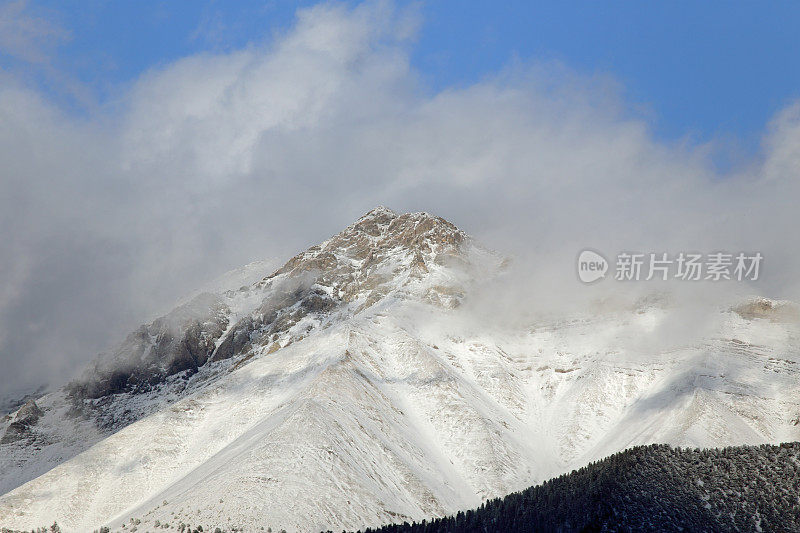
(220, 159)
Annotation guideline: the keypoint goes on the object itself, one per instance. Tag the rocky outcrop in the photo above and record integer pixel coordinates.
(183, 340)
(21, 428)
(773, 310)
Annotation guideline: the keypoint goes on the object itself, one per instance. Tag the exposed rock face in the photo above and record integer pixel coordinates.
(360, 264)
(29, 413)
(773, 310)
(21, 426)
(182, 340)
(370, 253)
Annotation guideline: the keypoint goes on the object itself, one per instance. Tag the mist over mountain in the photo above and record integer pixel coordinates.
(368, 381)
(211, 161)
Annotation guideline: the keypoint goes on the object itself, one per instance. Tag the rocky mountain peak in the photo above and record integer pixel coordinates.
(417, 231)
(383, 253)
(379, 213)
(411, 239)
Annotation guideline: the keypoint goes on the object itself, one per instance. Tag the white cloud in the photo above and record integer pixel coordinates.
(220, 159)
(26, 35)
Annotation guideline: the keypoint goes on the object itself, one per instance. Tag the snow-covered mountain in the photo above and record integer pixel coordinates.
(350, 388)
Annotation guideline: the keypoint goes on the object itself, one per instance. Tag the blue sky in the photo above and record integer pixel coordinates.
(706, 70)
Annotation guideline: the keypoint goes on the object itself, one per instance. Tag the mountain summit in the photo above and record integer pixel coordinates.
(351, 388)
(381, 253)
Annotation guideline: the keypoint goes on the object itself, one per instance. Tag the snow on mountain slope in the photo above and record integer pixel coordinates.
(348, 389)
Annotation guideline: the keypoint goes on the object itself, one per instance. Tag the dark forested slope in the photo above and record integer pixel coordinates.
(656, 488)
